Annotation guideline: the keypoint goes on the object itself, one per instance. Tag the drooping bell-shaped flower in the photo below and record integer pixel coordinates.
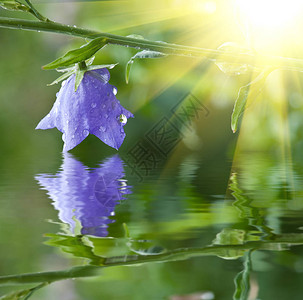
(88, 196)
(92, 109)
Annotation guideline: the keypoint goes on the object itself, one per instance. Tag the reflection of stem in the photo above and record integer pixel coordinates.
(128, 260)
(172, 49)
(243, 204)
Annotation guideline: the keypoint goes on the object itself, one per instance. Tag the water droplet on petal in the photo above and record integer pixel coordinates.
(73, 136)
(48, 115)
(85, 132)
(102, 129)
(115, 91)
(122, 119)
(106, 116)
(103, 106)
(93, 105)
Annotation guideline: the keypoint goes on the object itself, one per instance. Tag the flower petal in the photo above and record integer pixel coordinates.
(93, 108)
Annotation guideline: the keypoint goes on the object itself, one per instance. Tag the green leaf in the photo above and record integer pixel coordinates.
(22, 294)
(77, 55)
(62, 77)
(252, 90)
(13, 5)
(79, 77)
(140, 55)
(96, 67)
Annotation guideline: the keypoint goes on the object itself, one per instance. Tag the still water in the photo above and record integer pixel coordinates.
(189, 228)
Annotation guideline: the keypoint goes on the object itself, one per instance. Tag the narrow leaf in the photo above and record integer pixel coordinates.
(62, 77)
(252, 90)
(23, 294)
(96, 67)
(127, 70)
(77, 55)
(140, 55)
(79, 77)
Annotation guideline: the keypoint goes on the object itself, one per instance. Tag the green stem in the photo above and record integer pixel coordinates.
(172, 49)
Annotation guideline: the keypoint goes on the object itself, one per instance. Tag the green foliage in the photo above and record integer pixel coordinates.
(77, 55)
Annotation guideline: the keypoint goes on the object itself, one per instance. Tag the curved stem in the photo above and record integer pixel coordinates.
(168, 48)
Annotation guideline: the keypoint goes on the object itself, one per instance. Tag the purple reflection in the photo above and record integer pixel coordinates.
(86, 195)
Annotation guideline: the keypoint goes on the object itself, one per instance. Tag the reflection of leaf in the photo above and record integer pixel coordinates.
(23, 294)
(230, 236)
(73, 245)
(77, 55)
(247, 211)
(242, 280)
(141, 54)
(252, 90)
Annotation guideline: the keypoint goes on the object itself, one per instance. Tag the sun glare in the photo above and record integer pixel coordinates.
(270, 14)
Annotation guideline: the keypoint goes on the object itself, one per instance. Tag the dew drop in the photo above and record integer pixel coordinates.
(103, 106)
(122, 119)
(93, 105)
(73, 136)
(85, 132)
(106, 116)
(115, 91)
(48, 115)
(102, 129)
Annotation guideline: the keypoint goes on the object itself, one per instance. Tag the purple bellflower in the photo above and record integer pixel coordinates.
(86, 195)
(92, 109)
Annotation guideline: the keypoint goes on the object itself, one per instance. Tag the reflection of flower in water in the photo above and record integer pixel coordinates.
(88, 196)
